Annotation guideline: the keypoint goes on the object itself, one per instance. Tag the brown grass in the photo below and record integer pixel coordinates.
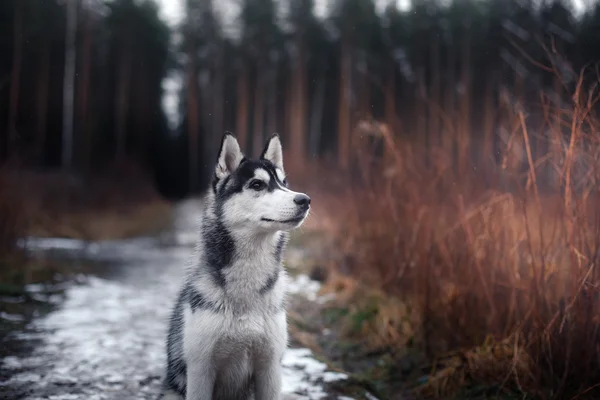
(12, 221)
(112, 204)
(497, 263)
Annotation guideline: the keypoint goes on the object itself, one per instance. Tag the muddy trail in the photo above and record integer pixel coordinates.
(96, 329)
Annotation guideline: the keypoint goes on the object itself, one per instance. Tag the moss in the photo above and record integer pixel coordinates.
(333, 315)
(364, 314)
(11, 289)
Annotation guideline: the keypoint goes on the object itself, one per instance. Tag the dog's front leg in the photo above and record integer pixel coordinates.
(200, 381)
(267, 382)
(268, 370)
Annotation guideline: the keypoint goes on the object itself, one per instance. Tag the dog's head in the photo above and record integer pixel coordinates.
(254, 194)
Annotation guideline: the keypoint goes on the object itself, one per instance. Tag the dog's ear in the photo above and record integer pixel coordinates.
(273, 151)
(230, 156)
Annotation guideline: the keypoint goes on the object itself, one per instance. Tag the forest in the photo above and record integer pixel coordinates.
(83, 86)
(461, 138)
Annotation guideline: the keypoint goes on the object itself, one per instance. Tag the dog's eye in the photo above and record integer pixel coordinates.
(285, 182)
(257, 185)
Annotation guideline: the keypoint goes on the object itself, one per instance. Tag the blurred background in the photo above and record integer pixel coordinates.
(89, 83)
(451, 149)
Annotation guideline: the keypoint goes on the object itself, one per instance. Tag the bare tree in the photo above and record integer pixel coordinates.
(316, 114)
(84, 86)
(259, 107)
(69, 84)
(123, 95)
(344, 106)
(43, 79)
(193, 118)
(298, 132)
(241, 125)
(15, 76)
(218, 94)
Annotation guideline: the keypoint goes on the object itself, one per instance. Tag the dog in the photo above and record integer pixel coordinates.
(228, 328)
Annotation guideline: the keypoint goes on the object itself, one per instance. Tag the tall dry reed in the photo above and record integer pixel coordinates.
(502, 252)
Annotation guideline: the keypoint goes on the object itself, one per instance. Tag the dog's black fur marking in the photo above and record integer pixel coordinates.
(274, 182)
(218, 248)
(243, 175)
(270, 283)
(176, 366)
(197, 301)
(279, 248)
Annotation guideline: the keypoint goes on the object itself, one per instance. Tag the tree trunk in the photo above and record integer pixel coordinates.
(142, 110)
(364, 90)
(84, 94)
(206, 83)
(69, 85)
(434, 117)
(272, 107)
(15, 76)
(193, 119)
(449, 132)
(259, 108)
(122, 100)
(299, 115)
(241, 124)
(390, 98)
(465, 110)
(290, 106)
(218, 103)
(420, 124)
(489, 115)
(316, 119)
(344, 107)
(42, 102)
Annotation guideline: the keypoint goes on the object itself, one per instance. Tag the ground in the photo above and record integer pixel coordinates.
(97, 330)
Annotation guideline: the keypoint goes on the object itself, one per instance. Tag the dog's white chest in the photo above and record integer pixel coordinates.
(222, 336)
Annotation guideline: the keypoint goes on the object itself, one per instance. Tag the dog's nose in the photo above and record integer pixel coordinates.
(302, 200)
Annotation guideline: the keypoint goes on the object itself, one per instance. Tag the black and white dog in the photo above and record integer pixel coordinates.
(228, 329)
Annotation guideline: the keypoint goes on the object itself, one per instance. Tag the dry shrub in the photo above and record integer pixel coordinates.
(481, 259)
(116, 202)
(12, 218)
(13, 224)
(484, 364)
(379, 321)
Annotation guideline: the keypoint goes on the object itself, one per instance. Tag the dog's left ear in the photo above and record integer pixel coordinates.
(230, 156)
(273, 151)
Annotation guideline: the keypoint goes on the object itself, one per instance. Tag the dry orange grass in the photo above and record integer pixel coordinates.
(112, 204)
(508, 278)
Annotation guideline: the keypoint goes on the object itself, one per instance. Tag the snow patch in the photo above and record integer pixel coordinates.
(303, 285)
(302, 374)
(35, 243)
(11, 317)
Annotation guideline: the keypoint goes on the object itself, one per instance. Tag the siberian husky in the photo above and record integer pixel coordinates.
(228, 328)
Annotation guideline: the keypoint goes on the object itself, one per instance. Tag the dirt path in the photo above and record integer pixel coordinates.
(102, 336)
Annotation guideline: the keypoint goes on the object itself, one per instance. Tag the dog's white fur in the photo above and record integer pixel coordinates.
(230, 332)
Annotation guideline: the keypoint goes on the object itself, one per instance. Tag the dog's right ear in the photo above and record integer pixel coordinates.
(230, 156)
